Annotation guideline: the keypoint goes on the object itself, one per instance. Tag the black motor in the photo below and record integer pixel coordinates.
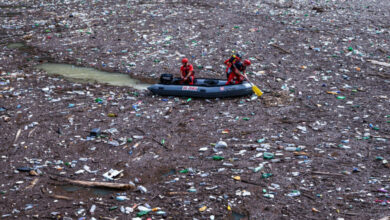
(166, 78)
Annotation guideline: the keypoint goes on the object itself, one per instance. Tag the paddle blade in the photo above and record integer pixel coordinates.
(257, 91)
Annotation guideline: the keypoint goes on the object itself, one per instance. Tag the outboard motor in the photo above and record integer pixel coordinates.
(166, 78)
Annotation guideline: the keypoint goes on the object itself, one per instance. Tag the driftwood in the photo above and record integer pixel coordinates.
(308, 196)
(177, 193)
(280, 48)
(350, 213)
(32, 184)
(380, 75)
(325, 173)
(379, 63)
(120, 186)
(17, 135)
(251, 182)
(61, 197)
(108, 218)
(30, 133)
(312, 217)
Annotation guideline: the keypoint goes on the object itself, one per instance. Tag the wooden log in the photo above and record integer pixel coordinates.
(325, 173)
(30, 133)
(177, 193)
(32, 184)
(108, 218)
(17, 135)
(61, 197)
(280, 48)
(379, 63)
(120, 186)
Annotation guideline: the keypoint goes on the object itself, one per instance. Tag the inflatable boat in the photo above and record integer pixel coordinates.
(202, 88)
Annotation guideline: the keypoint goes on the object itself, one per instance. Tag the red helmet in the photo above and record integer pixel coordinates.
(184, 60)
(247, 62)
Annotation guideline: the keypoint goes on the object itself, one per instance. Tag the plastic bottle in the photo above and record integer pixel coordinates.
(294, 193)
(289, 148)
(267, 195)
(266, 175)
(161, 213)
(257, 169)
(216, 157)
(121, 198)
(268, 155)
(142, 189)
(92, 209)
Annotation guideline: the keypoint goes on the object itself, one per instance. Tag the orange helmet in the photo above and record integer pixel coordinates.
(184, 60)
(247, 62)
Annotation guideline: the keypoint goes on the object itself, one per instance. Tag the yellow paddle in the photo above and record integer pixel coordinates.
(255, 89)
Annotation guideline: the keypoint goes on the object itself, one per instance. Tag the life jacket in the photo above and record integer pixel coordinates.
(234, 59)
(231, 62)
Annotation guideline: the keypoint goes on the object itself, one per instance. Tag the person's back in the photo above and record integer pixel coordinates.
(239, 66)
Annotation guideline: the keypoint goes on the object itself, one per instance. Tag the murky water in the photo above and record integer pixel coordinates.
(15, 45)
(171, 172)
(237, 216)
(83, 74)
(86, 191)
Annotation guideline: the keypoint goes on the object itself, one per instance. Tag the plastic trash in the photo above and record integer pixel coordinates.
(112, 174)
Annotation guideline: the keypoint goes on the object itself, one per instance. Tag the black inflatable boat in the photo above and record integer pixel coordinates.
(202, 88)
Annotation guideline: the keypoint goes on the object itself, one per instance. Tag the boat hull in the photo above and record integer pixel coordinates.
(203, 88)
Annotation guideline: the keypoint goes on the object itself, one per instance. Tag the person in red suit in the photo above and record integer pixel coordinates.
(229, 62)
(187, 72)
(236, 69)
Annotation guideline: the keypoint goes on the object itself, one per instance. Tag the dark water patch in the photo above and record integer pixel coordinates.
(169, 173)
(10, 14)
(238, 216)
(2, 6)
(85, 192)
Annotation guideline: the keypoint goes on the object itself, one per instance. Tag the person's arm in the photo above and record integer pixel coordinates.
(181, 73)
(236, 71)
(189, 72)
(188, 75)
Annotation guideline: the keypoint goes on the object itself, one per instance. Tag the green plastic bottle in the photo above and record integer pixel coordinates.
(266, 175)
(216, 157)
(268, 155)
